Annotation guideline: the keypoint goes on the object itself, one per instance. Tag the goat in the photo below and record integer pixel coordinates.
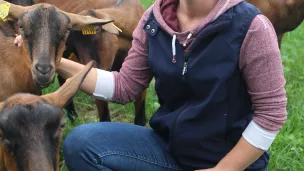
(31, 127)
(106, 49)
(44, 29)
(88, 47)
(96, 47)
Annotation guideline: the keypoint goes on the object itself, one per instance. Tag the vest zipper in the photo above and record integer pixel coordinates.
(186, 56)
(185, 65)
(185, 68)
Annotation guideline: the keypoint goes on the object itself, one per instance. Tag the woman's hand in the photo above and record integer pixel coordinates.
(18, 40)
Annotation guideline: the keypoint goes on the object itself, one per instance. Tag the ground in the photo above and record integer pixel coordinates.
(287, 151)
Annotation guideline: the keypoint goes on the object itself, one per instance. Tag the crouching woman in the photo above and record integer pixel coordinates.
(220, 84)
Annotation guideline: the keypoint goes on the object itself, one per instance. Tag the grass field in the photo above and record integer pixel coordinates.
(287, 152)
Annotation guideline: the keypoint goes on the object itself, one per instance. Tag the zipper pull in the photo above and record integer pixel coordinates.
(185, 68)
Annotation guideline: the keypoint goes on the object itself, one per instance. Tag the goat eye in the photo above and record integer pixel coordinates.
(59, 130)
(20, 27)
(62, 126)
(26, 36)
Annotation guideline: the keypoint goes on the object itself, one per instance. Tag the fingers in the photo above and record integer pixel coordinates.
(18, 40)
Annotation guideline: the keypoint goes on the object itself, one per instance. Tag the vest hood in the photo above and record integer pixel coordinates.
(221, 7)
(167, 20)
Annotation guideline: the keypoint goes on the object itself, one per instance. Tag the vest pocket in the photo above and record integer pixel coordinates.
(173, 128)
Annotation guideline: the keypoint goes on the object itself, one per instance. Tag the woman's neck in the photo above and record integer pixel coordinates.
(196, 8)
(191, 12)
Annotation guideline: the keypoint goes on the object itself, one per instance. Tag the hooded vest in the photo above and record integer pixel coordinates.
(204, 103)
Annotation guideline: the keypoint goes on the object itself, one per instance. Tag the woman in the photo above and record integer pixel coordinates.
(220, 84)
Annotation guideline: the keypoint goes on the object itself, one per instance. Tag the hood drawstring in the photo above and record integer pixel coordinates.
(174, 49)
(188, 37)
(174, 46)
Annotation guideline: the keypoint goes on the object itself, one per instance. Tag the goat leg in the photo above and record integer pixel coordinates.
(103, 111)
(140, 112)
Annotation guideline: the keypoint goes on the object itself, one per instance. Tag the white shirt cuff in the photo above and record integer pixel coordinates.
(105, 85)
(259, 137)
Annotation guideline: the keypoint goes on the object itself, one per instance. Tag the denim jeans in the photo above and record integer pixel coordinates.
(113, 146)
(116, 146)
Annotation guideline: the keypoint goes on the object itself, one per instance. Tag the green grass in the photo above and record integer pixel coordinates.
(287, 151)
(146, 3)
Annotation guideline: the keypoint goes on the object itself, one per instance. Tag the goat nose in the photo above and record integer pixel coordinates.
(43, 68)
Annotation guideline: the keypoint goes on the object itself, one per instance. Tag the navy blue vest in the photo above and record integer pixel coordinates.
(204, 112)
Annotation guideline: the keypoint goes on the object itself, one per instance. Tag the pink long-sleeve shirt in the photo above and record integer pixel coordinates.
(259, 61)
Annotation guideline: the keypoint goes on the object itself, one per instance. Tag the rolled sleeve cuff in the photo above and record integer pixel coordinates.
(104, 88)
(259, 137)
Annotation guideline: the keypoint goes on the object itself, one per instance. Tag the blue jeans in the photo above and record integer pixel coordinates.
(116, 146)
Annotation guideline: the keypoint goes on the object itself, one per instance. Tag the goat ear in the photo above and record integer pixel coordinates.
(79, 22)
(89, 24)
(66, 92)
(12, 11)
(82, 21)
(110, 27)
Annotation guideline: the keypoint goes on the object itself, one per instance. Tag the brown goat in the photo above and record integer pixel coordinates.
(31, 127)
(108, 50)
(44, 29)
